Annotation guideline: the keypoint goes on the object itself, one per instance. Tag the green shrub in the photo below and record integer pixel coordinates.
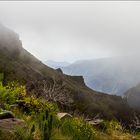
(78, 129)
(43, 124)
(22, 134)
(33, 105)
(112, 125)
(11, 93)
(17, 90)
(14, 93)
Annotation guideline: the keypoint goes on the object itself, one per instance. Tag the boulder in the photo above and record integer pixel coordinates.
(6, 114)
(63, 116)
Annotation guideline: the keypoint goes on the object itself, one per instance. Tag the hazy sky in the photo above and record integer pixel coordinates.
(69, 31)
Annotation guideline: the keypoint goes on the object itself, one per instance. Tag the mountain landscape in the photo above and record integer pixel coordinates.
(18, 64)
(113, 75)
(69, 93)
(69, 70)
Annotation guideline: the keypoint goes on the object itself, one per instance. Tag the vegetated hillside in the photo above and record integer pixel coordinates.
(70, 93)
(110, 75)
(37, 119)
(133, 97)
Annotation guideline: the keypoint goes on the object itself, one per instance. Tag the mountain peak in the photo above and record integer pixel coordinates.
(9, 40)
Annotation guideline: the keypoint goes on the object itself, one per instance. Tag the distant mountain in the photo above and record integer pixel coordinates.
(69, 92)
(55, 65)
(110, 75)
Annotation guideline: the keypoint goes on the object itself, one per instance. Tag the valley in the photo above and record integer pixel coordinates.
(36, 88)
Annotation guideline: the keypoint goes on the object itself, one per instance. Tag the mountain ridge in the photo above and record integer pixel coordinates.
(72, 94)
(110, 75)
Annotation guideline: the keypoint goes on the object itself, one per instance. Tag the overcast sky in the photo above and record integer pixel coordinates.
(70, 31)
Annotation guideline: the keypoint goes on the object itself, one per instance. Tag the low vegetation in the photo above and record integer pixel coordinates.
(41, 121)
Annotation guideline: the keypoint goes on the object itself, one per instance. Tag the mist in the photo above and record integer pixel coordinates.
(61, 59)
(71, 31)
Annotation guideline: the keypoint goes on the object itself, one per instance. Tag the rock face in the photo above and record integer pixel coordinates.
(10, 124)
(18, 64)
(6, 114)
(9, 128)
(79, 79)
(59, 70)
(63, 115)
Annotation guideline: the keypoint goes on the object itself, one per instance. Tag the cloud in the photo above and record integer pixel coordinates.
(75, 30)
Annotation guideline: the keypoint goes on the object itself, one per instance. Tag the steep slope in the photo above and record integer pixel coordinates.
(111, 75)
(133, 97)
(70, 93)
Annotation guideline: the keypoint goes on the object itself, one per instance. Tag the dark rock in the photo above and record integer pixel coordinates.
(59, 70)
(9, 124)
(6, 114)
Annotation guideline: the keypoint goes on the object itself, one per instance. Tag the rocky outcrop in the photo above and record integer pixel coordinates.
(10, 123)
(59, 70)
(6, 114)
(63, 115)
(78, 79)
